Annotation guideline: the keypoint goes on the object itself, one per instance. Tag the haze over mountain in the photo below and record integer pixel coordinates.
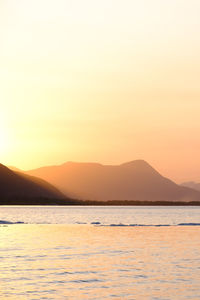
(15, 185)
(135, 180)
(192, 184)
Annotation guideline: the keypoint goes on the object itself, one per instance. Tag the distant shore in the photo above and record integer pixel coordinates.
(66, 202)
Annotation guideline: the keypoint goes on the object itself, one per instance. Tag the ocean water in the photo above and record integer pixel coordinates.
(99, 252)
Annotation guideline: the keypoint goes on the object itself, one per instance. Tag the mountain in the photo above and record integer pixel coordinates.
(135, 180)
(192, 185)
(15, 185)
(14, 169)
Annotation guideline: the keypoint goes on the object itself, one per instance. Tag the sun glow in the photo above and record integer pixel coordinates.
(107, 81)
(5, 140)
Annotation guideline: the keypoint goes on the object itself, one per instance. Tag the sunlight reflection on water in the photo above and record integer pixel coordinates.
(90, 262)
(73, 261)
(104, 215)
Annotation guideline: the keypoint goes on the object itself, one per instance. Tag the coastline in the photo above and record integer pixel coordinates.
(73, 202)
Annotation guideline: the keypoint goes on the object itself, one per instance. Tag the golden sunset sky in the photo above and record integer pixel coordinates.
(106, 81)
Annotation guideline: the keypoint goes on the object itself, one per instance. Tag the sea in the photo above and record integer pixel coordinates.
(99, 252)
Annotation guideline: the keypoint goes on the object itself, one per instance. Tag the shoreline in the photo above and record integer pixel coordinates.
(73, 202)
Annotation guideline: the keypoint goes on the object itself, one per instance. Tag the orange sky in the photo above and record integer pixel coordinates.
(107, 81)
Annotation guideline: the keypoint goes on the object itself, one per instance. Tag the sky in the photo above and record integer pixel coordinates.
(106, 81)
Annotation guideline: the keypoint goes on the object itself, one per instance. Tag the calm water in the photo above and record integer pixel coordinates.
(51, 256)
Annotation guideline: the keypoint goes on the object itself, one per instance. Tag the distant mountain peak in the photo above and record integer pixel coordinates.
(192, 184)
(137, 162)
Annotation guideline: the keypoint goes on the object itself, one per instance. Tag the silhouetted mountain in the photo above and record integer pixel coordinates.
(135, 180)
(15, 185)
(192, 185)
(14, 169)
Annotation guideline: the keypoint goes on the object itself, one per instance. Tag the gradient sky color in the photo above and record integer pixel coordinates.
(107, 81)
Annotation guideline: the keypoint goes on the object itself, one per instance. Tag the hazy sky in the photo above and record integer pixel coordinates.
(107, 81)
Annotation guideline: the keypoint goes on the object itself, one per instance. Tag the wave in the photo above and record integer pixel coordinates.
(95, 223)
(138, 225)
(98, 224)
(2, 222)
(151, 225)
(189, 224)
(80, 223)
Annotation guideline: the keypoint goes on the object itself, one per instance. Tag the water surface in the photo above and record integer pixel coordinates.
(72, 261)
(147, 215)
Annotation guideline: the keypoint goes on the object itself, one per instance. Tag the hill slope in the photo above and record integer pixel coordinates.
(135, 180)
(191, 184)
(15, 185)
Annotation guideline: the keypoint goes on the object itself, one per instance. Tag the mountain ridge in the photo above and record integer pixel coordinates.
(192, 184)
(16, 184)
(134, 180)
